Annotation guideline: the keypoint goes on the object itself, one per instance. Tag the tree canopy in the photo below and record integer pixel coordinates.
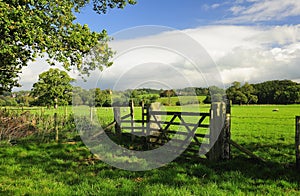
(269, 92)
(239, 94)
(31, 28)
(53, 88)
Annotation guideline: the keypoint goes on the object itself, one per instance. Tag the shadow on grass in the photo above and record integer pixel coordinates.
(75, 167)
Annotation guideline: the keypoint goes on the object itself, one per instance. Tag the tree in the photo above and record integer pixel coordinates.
(277, 92)
(249, 91)
(31, 28)
(53, 88)
(215, 94)
(235, 93)
(102, 97)
(23, 98)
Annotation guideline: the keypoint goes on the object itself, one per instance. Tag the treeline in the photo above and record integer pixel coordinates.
(270, 92)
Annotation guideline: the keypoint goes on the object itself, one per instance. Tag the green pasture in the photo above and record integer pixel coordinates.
(182, 100)
(37, 168)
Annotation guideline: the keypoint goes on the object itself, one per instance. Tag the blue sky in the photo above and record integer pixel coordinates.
(171, 13)
(179, 14)
(248, 40)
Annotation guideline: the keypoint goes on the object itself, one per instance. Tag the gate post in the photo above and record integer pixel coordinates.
(117, 116)
(227, 132)
(297, 142)
(131, 105)
(219, 132)
(153, 123)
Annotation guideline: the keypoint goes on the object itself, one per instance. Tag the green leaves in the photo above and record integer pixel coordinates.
(30, 28)
(53, 84)
(101, 6)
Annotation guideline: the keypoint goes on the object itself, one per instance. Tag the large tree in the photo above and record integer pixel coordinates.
(53, 88)
(241, 94)
(31, 28)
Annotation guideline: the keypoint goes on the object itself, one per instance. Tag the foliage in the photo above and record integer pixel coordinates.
(241, 94)
(269, 92)
(192, 91)
(53, 87)
(7, 101)
(167, 93)
(29, 28)
(137, 96)
(23, 98)
(103, 98)
(278, 92)
(215, 94)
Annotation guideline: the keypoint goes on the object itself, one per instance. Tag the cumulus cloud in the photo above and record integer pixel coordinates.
(263, 10)
(241, 53)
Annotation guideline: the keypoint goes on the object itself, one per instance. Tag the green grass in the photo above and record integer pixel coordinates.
(32, 168)
(268, 134)
(65, 169)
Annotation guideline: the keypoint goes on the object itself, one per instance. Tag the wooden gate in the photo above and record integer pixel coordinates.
(206, 133)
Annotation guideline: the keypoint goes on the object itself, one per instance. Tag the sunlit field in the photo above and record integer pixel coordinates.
(68, 168)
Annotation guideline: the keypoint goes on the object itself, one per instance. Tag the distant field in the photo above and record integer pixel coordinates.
(182, 100)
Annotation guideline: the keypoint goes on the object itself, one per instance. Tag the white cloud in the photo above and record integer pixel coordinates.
(30, 73)
(242, 53)
(216, 5)
(264, 10)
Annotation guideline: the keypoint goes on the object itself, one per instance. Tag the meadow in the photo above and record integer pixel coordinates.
(33, 167)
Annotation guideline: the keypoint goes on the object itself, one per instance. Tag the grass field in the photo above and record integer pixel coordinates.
(183, 100)
(32, 168)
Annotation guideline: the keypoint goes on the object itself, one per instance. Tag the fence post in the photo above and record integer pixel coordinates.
(227, 133)
(143, 118)
(131, 105)
(297, 142)
(154, 127)
(117, 116)
(217, 133)
(56, 127)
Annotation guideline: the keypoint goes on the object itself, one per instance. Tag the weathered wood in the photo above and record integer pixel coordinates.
(126, 116)
(155, 126)
(297, 142)
(227, 136)
(131, 105)
(117, 116)
(246, 151)
(132, 128)
(143, 117)
(180, 113)
(129, 121)
(216, 132)
(179, 124)
(186, 133)
(157, 130)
